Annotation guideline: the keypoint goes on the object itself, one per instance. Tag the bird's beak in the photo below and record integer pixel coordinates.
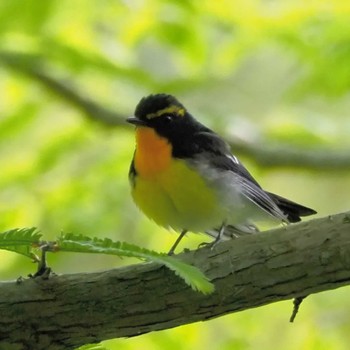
(136, 121)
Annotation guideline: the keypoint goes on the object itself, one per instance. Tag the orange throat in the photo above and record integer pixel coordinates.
(153, 153)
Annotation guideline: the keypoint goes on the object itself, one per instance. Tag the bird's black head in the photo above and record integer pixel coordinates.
(166, 115)
(157, 106)
(169, 119)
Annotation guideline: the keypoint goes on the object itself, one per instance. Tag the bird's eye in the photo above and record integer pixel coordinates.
(168, 118)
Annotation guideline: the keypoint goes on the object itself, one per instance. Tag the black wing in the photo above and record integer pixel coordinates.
(221, 158)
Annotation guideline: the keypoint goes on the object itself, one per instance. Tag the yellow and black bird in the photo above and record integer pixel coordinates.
(184, 177)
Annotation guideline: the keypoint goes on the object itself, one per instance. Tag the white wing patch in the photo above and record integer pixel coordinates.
(233, 158)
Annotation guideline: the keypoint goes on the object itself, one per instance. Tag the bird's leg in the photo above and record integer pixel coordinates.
(217, 238)
(220, 234)
(172, 249)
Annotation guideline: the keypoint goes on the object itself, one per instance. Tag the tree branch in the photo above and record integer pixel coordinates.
(34, 69)
(285, 156)
(71, 310)
(279, 156)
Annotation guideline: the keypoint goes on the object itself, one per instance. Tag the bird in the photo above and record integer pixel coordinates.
(184, 177)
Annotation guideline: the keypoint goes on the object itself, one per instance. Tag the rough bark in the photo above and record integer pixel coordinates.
(67, 311)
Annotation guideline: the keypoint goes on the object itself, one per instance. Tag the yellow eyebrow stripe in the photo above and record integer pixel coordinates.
(179, 111)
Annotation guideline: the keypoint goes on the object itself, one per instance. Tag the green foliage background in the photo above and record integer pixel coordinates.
(273, 73)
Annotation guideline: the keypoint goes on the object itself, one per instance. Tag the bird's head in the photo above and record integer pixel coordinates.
(163, 113)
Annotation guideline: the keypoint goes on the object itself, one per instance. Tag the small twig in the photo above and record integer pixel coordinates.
(43, 270)
(20, 280)
(296, 302)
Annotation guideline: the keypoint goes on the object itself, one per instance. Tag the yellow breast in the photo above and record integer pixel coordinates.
(170, 192)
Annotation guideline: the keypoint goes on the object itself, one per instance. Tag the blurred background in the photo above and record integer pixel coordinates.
(273, 77)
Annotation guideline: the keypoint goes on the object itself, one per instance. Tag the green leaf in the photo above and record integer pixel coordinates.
(20, 241)
(190, 274)
(83, 244)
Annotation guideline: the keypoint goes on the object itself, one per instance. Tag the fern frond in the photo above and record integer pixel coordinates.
(20, 241)
(83, 244)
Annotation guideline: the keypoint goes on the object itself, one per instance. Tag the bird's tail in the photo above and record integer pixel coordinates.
(292, 210)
